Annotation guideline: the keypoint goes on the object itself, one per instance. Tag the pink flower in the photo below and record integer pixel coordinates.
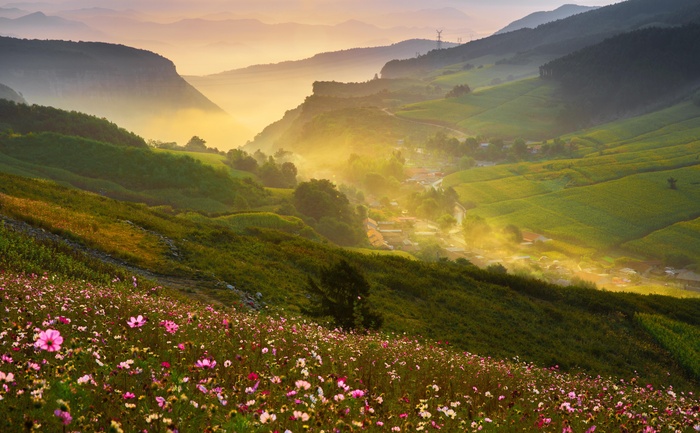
(63, 416)
(129, 395)
(358, 393)
(205, 363)
(7, 378)
(49, 340)
(136, 322)
(161, 401)
(302, 384)
(170, 326)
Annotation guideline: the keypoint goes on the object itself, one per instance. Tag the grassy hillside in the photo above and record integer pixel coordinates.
(526, 108)
(127, 356)
(129, 173)
(473, 309)
(22, 118)
(615, 192)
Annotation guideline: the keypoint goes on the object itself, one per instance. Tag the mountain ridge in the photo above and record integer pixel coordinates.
(543, 17)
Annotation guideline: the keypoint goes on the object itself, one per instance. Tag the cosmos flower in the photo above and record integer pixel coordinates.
(49, 340)
(136, 322)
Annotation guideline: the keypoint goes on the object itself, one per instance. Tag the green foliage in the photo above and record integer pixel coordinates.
(128, 172)
(628, 71)
(681, 339)
(24, 119)
(526, 108)
(343, 294)
(458, 90)
(20, 253)
(475, 310)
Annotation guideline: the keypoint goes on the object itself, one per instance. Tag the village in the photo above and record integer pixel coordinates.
(531, 256)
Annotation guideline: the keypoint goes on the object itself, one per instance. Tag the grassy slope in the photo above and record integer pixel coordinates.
(614, 193)
(523, 108)
(485, 313)
(119, 368)
(139, 175)
(215, 160)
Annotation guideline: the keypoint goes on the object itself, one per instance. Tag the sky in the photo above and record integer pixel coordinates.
(498, 12)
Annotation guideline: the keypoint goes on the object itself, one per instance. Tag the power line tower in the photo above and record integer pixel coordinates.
(439, 39)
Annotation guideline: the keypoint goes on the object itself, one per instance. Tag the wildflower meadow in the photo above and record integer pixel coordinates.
(129, 357)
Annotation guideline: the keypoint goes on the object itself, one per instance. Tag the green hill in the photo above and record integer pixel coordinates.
(477, 311)
(128, 173)
(628, 73)
(614, 193)
(129, 356)
(23, 119)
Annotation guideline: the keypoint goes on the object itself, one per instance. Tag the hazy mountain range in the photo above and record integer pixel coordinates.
(538, 18)
(259, 95)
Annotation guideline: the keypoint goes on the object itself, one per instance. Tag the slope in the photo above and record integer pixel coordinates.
(259, 95)
(577, 329)
(536, 19)
(556, 38)
(613, 193)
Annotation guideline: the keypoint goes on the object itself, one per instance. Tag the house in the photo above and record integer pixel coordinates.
(531, 238)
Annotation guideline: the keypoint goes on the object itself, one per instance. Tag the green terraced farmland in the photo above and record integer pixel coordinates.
(524, 108)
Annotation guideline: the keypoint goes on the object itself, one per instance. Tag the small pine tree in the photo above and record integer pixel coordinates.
(343, 294)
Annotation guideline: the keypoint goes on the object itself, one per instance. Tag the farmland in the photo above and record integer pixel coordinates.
(611, 191)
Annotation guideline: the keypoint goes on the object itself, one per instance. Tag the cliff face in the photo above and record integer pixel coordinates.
(102, 79)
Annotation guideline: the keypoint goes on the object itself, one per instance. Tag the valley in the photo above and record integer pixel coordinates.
(488, 232)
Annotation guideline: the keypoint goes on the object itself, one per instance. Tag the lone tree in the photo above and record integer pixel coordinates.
(672, 182)
(343, 294)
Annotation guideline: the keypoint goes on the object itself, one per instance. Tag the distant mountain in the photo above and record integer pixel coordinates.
(557, 38)
(259, 95)
(10, 95)
(37, 25)
(129, 86)
(12, 12)
(538, 18)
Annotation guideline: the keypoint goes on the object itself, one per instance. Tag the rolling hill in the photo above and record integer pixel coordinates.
(611, 195)
(222, 257)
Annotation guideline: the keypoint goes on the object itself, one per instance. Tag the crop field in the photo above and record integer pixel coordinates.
(677, 239)
(605, 214)
(615, 193)
(525, 109)
(489, 71)
(681, 339)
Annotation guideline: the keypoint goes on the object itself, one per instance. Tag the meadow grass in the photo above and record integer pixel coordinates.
(524, 108)
(606, 214)
(214, 160)
(681, 339)
(475, 310)
(484, 76)
(125, 356)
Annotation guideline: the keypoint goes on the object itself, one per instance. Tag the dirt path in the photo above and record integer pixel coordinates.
(197, 289)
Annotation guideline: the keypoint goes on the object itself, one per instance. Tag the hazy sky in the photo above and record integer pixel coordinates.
(498, 12)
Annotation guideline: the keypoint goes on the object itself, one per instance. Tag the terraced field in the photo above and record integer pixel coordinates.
(526, 108)
(615, 193)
